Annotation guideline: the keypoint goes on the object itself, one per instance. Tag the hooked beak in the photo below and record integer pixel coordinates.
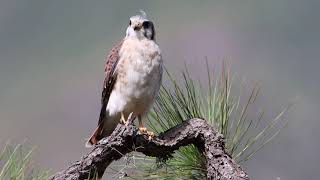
(137, 27)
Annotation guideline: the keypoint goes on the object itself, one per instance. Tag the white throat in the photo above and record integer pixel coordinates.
(130, 33)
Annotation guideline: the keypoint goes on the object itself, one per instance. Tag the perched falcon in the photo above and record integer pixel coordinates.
(133, 73)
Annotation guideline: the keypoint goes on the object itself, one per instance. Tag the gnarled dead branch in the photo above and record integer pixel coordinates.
(124, 139)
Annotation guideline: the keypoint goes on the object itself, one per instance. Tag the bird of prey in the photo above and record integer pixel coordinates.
(133, 73)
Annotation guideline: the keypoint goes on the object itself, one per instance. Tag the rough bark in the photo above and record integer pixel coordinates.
(125, 139)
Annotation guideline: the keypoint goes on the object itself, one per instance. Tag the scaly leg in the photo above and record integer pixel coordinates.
(141, 126)
(123, 119)
(143, 129)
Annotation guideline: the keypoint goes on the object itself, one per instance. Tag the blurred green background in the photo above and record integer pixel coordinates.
(52, 58)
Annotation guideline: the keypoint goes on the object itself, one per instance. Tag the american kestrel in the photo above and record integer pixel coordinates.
(133, 73)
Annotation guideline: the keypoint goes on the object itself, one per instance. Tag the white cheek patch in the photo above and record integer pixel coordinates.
(132, 33)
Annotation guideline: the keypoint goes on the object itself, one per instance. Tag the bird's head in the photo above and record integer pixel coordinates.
(140, 27)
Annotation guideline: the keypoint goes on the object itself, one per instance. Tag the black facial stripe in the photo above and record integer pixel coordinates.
(149, 31)
(146, 24)
(153, 32)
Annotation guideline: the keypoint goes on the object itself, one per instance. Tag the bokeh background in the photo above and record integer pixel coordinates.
(52, 57)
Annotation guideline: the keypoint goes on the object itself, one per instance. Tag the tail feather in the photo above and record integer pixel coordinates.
(95, 137)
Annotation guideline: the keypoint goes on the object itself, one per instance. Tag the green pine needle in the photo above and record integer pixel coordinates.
(15, 163)
(218, 104)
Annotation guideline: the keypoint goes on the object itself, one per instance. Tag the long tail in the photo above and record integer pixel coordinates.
(95, 137)
(97, 134)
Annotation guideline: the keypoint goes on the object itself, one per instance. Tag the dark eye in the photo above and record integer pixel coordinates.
(129, 22)
(146, 24)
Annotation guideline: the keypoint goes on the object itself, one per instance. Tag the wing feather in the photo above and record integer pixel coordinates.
(110, 78)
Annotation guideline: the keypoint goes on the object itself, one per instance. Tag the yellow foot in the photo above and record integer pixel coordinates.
(143, 129)
(123, 120)
(150, 135)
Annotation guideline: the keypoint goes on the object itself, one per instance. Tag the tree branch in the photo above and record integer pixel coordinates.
(125, 139)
